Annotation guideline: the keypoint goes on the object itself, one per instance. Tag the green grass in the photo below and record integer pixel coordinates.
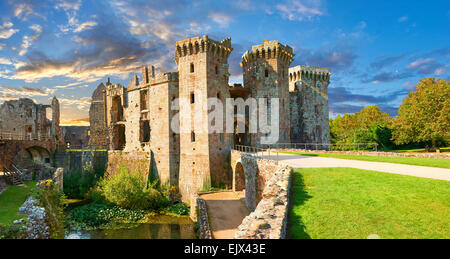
(11, 200)
(351, 203)
(433, 162)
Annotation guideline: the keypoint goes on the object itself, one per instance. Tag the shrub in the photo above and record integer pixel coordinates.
(53, 201)
(131, 191)
(12, 232)
(179, 209)
(78, 183)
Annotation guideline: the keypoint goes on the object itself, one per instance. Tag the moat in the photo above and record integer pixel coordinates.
(159, 227)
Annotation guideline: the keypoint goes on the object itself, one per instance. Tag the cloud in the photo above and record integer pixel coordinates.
(222, 19)
(384, 61)
(335, 58)
(296, 10)
(82, 104)
(5, 61)
(6, 30)
(424, 65)
(403, 19)
(341, 100)
(28, 40)
(441, 70)
(75, 122)
(385, 77)
(85, 26)
(24, 91)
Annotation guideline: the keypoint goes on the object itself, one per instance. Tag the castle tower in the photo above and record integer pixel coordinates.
(265, 70)
(308, 87)
(55, 129)
(203, 73)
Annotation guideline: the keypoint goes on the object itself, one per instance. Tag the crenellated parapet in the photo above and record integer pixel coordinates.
(150, 77)
(202, 44)
(299, 73)
(268, 50)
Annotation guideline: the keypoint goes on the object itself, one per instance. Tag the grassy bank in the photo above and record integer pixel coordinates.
(353, 203)
(11, 200)
(433, 162)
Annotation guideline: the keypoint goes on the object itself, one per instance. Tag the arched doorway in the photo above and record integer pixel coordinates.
(239, 177)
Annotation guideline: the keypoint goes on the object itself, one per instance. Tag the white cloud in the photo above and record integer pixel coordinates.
(85, 26)
(28, 40)
(403, 19)
(297, 10)
(5, 61)
(441, 70)
(220, 18)
(6, 30)
(23, 10)
(419, 62)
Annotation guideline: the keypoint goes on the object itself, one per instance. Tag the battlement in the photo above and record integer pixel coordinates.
(268, 50)
(149, 76)
(202, 44)
(298, 73)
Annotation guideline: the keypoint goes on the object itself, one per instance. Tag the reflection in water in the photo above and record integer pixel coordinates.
(162, 227)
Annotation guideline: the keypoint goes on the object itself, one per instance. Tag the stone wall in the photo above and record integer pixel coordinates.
(134, 161)
(308, 90)
(203, 221)
(270, 218)
(97, 118)
(76, 136)
(78, 161)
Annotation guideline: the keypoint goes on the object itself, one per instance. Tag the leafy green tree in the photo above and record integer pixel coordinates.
(424, 115)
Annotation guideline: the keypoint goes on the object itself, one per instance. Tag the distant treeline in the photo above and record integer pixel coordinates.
(423, 119)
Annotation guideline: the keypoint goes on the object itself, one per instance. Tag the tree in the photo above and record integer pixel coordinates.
(424, 115)
(360, 127)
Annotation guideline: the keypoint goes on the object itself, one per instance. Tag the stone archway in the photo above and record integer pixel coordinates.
(39, 155)
(239, 177)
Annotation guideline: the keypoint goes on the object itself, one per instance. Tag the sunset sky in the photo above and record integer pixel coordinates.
(377, 50)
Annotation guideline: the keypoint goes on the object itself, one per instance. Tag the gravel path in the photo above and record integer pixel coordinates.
(298, 161)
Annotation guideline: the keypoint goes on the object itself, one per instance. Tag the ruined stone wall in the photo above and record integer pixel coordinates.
(267, 190)
(76, 135)
(309, 104)
(201, 159)
(134, 161)
(97, 120)
(116, 99)
(265, 71)
(24, 119)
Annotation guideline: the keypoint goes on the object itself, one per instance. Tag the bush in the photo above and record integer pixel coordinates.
(179, 209)
(12, 232)
(53, 201)
(93, 216)
(78, 183)
(131, 191)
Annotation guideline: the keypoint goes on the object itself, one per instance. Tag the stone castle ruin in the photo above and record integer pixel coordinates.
(135, 121)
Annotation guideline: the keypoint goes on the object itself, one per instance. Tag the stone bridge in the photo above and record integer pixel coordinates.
(250, 175)
(24, 152)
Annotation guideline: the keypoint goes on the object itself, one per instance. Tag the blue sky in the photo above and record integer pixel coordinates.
(377, 50)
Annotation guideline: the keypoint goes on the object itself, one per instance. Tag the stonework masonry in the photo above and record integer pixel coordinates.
(308, 91)
(136, 121)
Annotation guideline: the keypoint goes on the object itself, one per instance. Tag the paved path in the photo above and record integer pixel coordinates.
(298, 161)
(226, 212)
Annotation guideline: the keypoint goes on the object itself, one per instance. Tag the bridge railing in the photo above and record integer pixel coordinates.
(258, 152)
(4, 135)
(324, 146)
(86, 147)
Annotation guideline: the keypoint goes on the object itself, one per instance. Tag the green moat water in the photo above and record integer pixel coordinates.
(158, 227)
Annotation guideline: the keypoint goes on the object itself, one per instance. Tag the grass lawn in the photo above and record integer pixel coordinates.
(433, 162)
(352, 203)
(11, 200)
